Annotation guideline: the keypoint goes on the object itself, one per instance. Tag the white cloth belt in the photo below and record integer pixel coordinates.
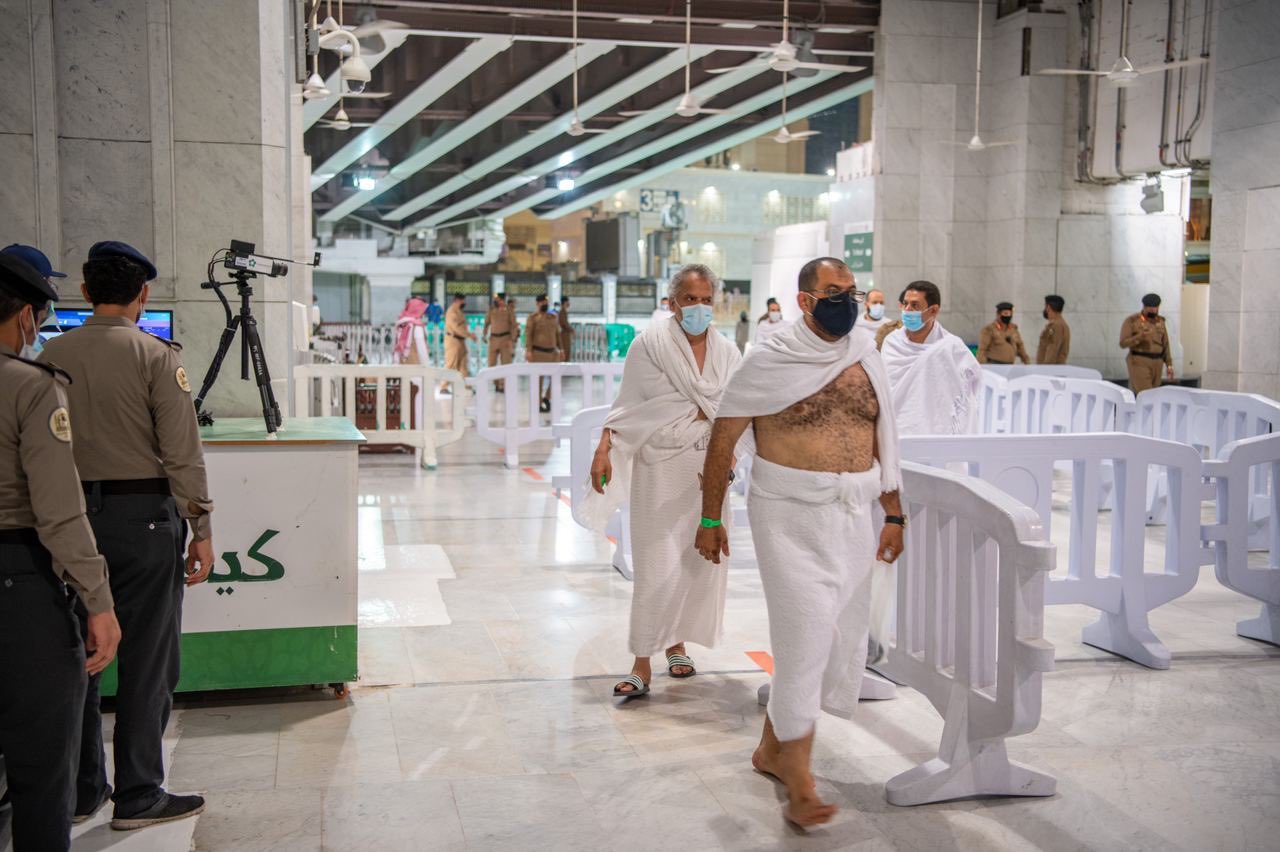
(777, 482)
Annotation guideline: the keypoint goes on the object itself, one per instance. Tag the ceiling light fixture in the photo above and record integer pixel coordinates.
(565, 184)
(689, 105)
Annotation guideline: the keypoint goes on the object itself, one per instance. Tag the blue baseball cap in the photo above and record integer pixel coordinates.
(115, 248)
(35, 258)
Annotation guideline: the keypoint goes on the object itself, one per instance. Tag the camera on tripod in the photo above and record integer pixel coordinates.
(245, 264)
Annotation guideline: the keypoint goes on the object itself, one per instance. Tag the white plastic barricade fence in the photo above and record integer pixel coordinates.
(583, 433)
(1209, 421)
(1061, 371)
(993, 404)
(520, 420)
(329, 390)
(1044, 405)
(1022, 466)
(1241, 466)
(970, 634)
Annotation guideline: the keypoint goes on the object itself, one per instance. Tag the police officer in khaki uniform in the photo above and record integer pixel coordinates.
(566, 331)
(46, 546)
(499, 329)
(1055, 340)
(542, 343)
(1000, 342)
(456, 335)
(142, 469)
(1146, 337)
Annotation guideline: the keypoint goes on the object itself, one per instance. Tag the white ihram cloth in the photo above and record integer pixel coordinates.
(815, 543)
(935, 383)
(657, 452)
(813, 533)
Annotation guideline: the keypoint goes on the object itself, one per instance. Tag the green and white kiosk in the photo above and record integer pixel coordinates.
(280, 607)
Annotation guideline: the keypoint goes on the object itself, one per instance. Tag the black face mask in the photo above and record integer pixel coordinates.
(544, 308)
(836, 318)
(1006, 319)
(1045, 313)
(1151, 317)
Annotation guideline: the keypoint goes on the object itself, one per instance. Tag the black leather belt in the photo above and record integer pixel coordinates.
(457, 336)
(1159, 355)
(500, 334)
(23, 535)
(544, 349)
(128, 486)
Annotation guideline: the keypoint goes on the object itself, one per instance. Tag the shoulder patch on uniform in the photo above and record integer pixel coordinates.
(180, 376)
(52, 369)
(172, 344)
(60, 424)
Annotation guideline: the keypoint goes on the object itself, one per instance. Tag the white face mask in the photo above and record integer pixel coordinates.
(876, 311)
(775, 316)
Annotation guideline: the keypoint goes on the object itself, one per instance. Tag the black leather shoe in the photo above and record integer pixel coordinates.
(89, 814)
(169, 809)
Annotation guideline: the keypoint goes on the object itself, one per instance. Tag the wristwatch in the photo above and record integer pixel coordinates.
(896, 519)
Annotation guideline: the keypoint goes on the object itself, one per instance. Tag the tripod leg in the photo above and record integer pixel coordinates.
(211, 375)
(270, 409)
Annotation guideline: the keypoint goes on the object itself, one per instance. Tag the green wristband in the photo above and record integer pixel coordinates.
(710, 523)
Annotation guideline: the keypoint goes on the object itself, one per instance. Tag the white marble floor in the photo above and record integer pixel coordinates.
(493, 630)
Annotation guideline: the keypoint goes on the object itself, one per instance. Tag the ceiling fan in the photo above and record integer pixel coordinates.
(783, 55)
(1123, 72)
(784, 135)
(975, 143)
(341, 121)
(576, 127)
(689, 105)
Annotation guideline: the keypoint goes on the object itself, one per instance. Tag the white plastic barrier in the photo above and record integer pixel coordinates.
(1241, 466)
(1062, 371)
(583, 433)
(970, 634)
(1022, 466)
(1209, 421)
(1044, 405)
(993, 404)
(329, 390)
(520, 420)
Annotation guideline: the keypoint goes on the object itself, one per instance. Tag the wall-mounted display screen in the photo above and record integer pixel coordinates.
(159, 323)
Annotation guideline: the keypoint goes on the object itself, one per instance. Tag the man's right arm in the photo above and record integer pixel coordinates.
(984, 342)
(711, 542)
(1130, 333)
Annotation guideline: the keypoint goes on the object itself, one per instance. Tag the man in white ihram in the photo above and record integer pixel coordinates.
(651, 453)
(934, 377)
(817, 398)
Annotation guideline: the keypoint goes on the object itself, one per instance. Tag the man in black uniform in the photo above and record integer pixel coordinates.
(142, 467)
(45, 545)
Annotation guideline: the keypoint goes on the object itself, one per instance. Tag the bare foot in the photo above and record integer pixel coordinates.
(642, 670)
(805, 809)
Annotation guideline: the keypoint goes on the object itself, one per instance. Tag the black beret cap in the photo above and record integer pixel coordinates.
(1004, 306)
(22, 280)
(1151, 300)
(114, 248)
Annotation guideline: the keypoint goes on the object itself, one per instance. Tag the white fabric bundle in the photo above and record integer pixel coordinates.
(661, 392)
(795, 364)
(935, 384)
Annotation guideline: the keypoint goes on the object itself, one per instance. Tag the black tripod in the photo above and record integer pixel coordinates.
(250, 352)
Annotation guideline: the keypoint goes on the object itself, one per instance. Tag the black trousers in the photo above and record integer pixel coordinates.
(141, 536)
(42, 688)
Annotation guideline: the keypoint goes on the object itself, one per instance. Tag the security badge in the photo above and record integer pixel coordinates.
(181, 378)
(60, 424)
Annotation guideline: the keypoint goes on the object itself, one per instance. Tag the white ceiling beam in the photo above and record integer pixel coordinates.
(581, 146)
(525, 91)
(684, 134)
(794, 113)
(314, 110)
(454, 72)
(637, 42)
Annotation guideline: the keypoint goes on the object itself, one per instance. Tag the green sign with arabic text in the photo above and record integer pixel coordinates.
(857, 251)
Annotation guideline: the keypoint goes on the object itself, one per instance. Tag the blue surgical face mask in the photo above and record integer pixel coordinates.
(695, 319)
(876, 311)
(31, 350)
(912, 320)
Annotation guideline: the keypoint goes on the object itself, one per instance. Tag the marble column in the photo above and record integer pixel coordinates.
(174, 125)
(1244, 294)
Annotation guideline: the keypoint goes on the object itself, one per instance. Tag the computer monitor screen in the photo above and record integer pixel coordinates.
(159, 323)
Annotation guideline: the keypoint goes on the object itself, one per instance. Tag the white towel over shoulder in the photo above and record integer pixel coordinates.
(935, 384)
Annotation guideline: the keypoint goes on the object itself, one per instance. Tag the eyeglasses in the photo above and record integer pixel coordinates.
(837, 296)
